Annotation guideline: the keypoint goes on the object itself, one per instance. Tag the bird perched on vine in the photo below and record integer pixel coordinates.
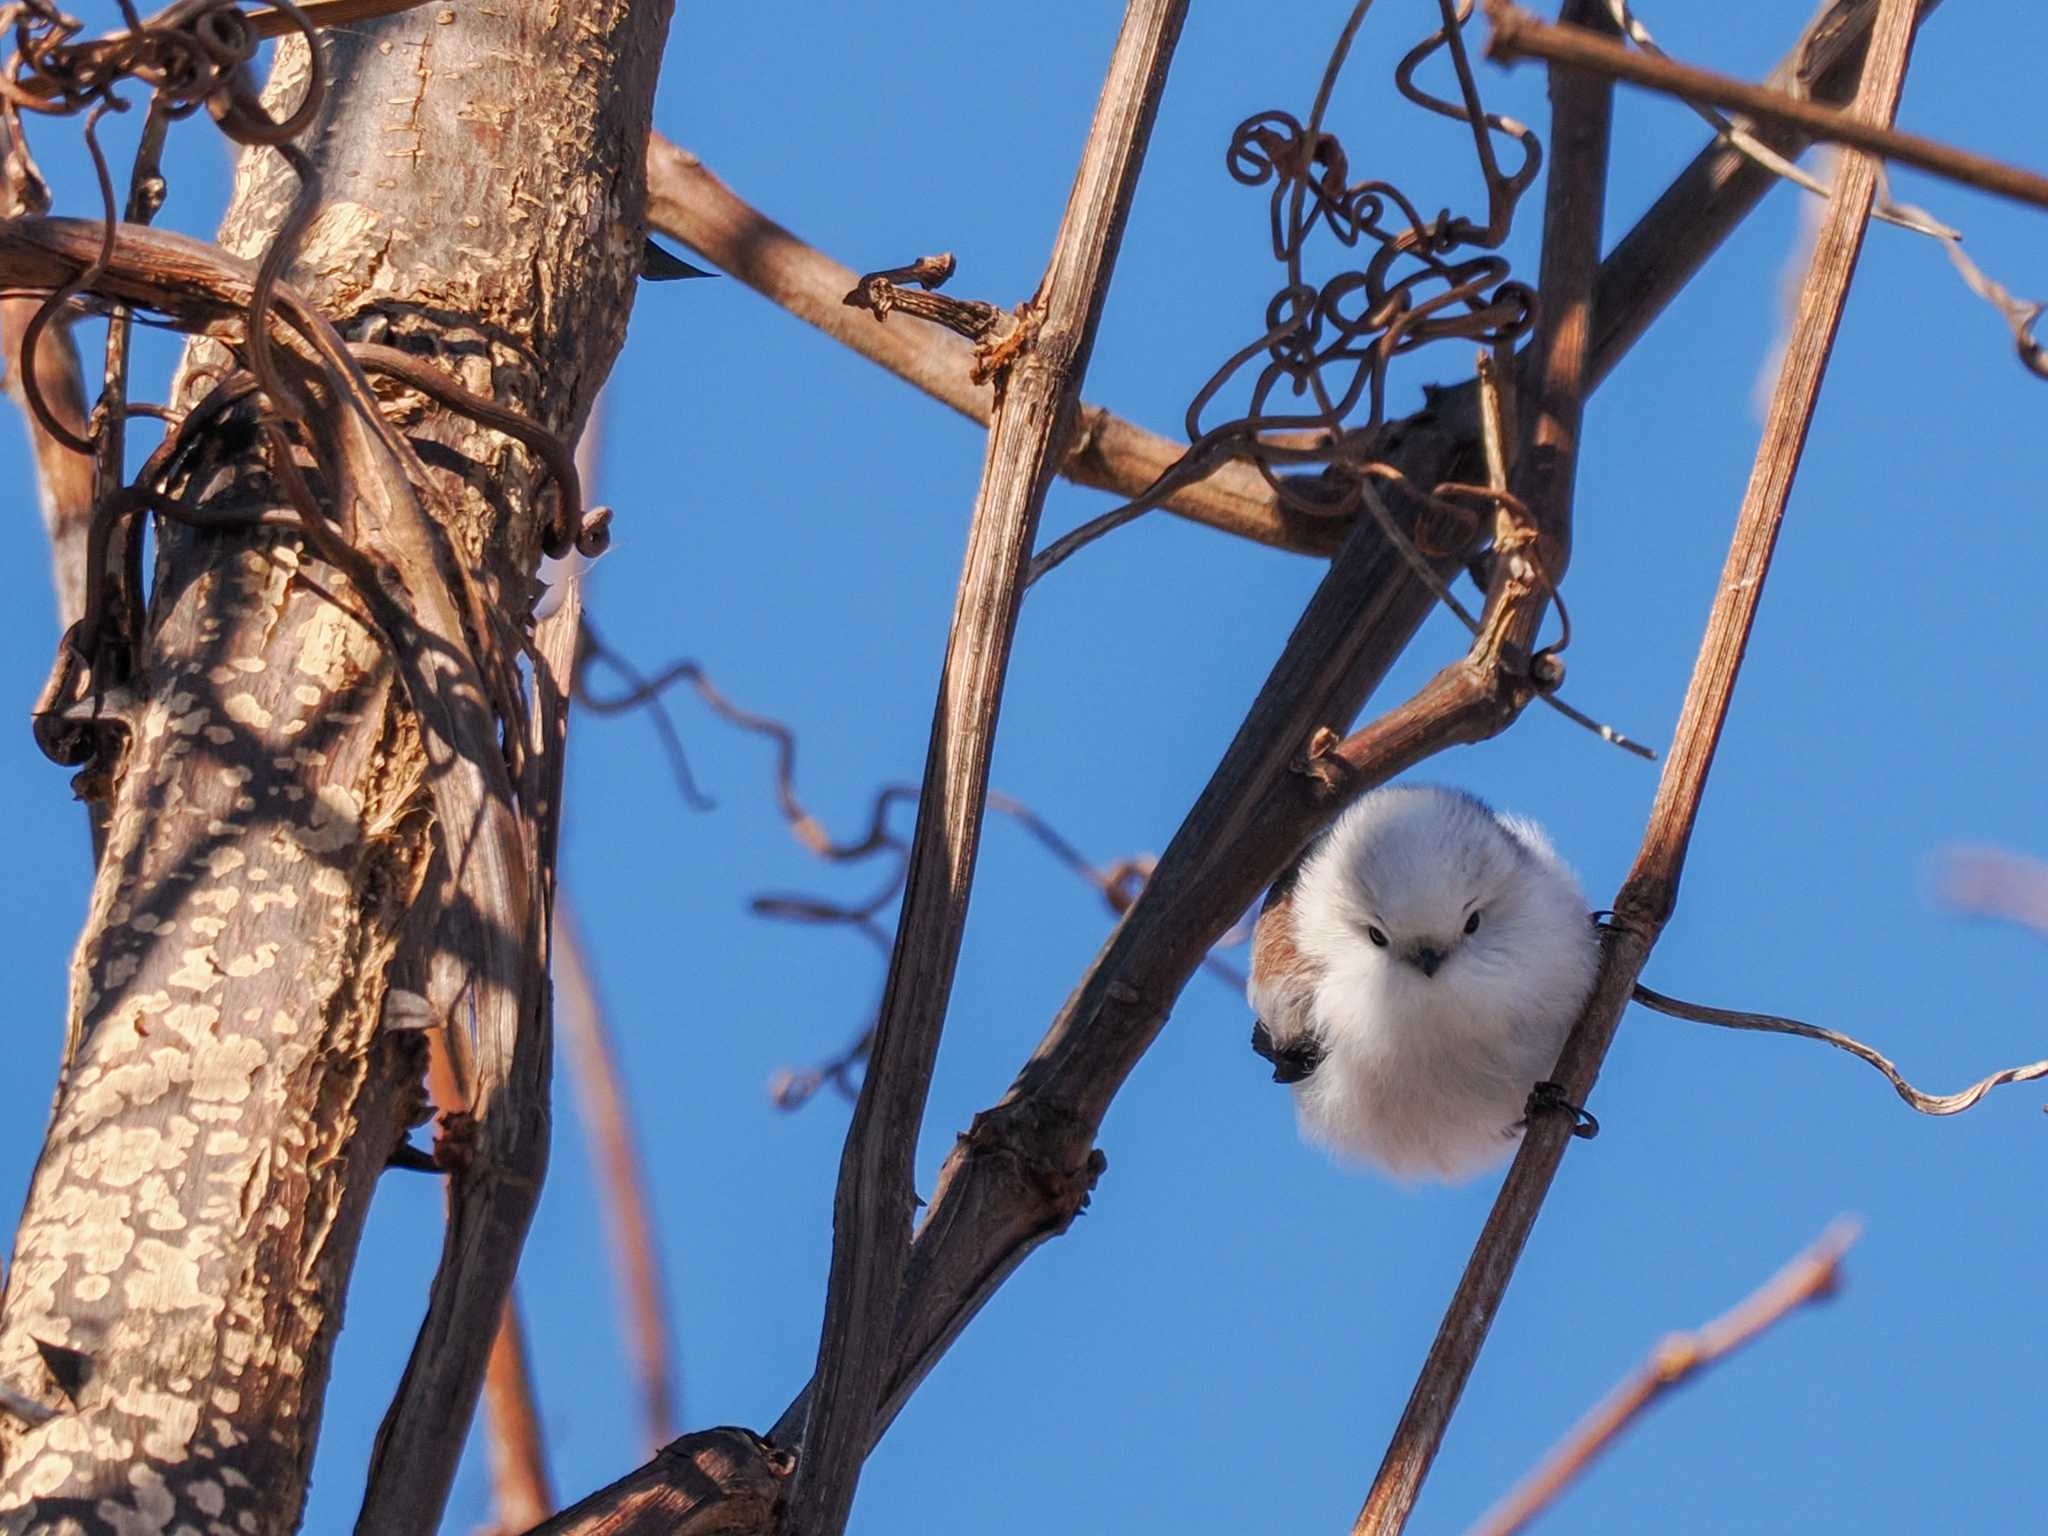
(1414, 977)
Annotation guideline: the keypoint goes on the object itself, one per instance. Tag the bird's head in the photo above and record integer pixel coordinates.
(1424, 879)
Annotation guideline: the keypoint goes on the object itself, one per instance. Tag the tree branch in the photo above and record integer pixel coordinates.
(1555, 367)
(1645, 271)
(1673, 239)
(1519, 35)
(521, 1494)
(690, 204)
(622, 1181)
(1037, 401)
(1648, 895)
(64, 477)
(1814, 1275)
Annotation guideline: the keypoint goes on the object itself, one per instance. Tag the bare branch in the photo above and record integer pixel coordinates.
(1519, 35)
(520, 1492)
(64, 477)
(1648, 895)
(690, 204)
(606, 1113)
(1645, 271)
(1037, 400)
(1652, 262)
(1814, 1275)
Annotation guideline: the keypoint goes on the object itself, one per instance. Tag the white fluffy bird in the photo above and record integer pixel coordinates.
(1415, 976)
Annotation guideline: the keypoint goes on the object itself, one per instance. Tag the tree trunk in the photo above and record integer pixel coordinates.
(230, 1097)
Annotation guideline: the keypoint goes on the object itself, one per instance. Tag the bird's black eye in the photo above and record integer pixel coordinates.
(1472, 923)
(1376, 936)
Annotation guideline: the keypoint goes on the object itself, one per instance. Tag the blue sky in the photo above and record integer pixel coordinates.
(1224, 1341)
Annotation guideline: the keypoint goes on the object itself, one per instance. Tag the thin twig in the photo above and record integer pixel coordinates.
(606, 1112)
(145, 198)
(521, 1495)
(1519, 35)
(1650, 892)
(64, 477)
(1036, 405)
(1650, 264)
(1814, 1275)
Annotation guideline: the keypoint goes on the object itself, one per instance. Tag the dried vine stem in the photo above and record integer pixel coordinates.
(1650, 892)
(791, 1088)
(1814, 1275)
(1772, 1024)
(269, 22)
(1311, 390)
(1037, 401)
(1519, 35)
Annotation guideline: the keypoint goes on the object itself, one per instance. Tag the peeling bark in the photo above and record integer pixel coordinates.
(231, 1098)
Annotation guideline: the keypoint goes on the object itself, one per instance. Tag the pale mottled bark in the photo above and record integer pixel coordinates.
(232, 1098)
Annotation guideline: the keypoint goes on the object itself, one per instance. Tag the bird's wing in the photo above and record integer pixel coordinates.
(1283, 986)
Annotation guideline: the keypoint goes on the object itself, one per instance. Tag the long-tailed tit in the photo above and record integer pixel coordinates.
(1415, 976)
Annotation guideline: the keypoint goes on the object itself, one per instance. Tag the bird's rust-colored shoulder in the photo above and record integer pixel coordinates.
(1273, 951)
(1278, 967)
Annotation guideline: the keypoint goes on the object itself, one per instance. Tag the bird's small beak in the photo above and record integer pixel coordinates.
(1427, 960)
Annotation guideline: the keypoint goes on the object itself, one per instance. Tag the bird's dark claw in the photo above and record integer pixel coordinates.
(1291, 1063)
(1548, 1098)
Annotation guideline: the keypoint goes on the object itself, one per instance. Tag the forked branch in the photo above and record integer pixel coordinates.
(1037, 401)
